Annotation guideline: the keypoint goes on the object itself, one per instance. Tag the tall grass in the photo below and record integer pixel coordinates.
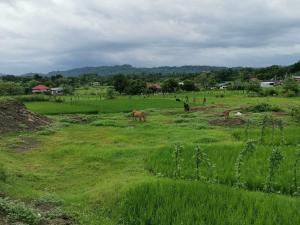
(224, 155)
(178, 202)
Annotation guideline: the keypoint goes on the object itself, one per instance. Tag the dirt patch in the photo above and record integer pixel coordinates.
(14, 116)
(279, 114)
(24, 144)
(228, 122)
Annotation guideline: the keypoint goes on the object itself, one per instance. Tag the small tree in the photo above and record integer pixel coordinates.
(265, 122)
(274, 163)
(253, 86)
(110, 93)
(246, 151)
(290, 87)
(201, 158)
(177, 156)
(189, 85)
(170, 85)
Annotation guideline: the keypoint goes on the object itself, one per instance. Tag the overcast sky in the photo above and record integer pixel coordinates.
(46, 35)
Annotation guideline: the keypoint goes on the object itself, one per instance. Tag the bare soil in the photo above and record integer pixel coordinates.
(14, 116)
(228, 122)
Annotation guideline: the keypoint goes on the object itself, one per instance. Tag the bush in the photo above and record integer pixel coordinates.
(19, 212)
(33, 98)
(11, 88)
(269, 92)
(264, 107)
(290, 93)
(290, 87)
(295, 113)
(110, 93)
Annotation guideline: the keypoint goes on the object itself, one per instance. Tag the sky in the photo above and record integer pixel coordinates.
(46, 35)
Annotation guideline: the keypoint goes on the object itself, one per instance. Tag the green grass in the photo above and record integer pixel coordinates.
(101, 106)
(177, 203)
(223, 155)
(91, 167)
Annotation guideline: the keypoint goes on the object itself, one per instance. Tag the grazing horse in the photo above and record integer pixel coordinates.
(138, 115)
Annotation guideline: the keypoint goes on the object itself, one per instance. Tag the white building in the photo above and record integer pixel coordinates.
(267, 84)
(57, 91)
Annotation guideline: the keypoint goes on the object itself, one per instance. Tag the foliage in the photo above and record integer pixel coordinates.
(274, 163)
(110, 93)
(136, 87)
(177, 155)
(295, 172)
(290, 87)
(253, 86)
(170, 85)
(11, 88)
(189, 85)
(120, 83)
(33, 98)
(247, 150)
(193, 203)
(295, 113)
(201, 158)
(19, 212)
(265, 121)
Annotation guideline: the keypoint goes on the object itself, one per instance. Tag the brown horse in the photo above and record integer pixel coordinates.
(139, 115)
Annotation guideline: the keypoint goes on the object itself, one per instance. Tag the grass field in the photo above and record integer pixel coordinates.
(114, 170)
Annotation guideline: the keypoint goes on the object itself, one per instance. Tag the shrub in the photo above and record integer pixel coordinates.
(247, 150)
(295, 113)
(269, 92)
(19, 212)
(274, 162)
(264, 107)
(177, 156)
(110, 93)
(33, 98)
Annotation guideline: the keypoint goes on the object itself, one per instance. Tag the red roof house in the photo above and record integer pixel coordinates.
(154, 87)
(40, 89)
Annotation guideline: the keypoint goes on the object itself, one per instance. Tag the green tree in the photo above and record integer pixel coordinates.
(120, 83)
(253, 86)
(11, 88)
(170, 85)
(189, 85)
(136, 87)
(290, 87)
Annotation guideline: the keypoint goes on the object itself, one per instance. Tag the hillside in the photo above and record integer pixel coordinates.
(128, 69)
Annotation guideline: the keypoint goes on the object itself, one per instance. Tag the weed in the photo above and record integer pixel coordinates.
(247, 150)
(274, 163)
(202, 158)
(177, 156)
(295, 169)
(19, 212)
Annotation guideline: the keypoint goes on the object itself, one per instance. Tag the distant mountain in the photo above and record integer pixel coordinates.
(128, 69)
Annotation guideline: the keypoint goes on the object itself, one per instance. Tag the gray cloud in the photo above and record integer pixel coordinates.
(45, 35)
